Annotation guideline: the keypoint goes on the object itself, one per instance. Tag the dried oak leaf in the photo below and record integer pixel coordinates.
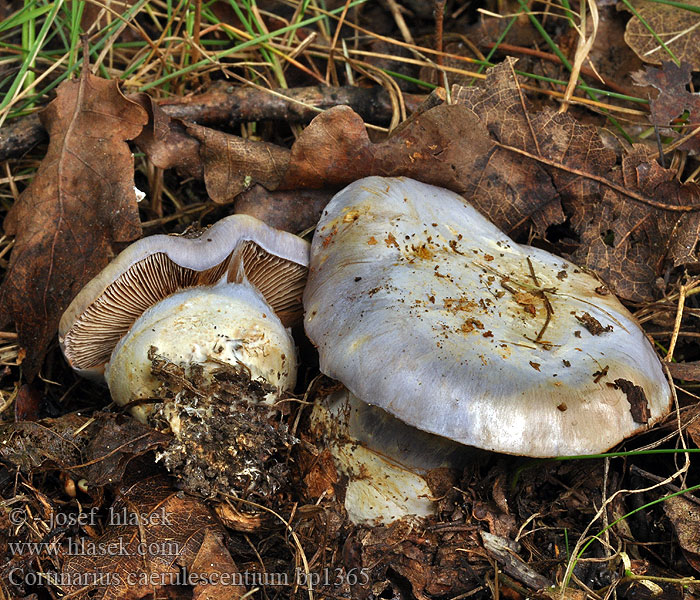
(672, 100)
(516, 165)
(434, 563)
(166, 142)
(155, 537)
(233, 164)
(677, 28)
(448, 145)
(113, 442)
(625, 234)
(80, 201)
(31, 445)
(290, 210)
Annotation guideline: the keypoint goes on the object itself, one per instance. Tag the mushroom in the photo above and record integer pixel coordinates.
(386, 461)
(226, 296)
(425, 310)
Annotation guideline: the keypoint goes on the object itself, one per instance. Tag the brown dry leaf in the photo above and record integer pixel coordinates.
(612, 57)
(321, 475)
(113, 442)
(31, 445)
(447, 146)
(28, 403)
(166, 142)
(331, 151)
(624, 238)
(444, 146)
(517, 166)
(435, 563)
(80, 201)
(157, 537)
(672, 100)
(290, 210)
(233, 164)
(679, 29)
(685, 517)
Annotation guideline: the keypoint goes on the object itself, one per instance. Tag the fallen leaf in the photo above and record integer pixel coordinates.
(50, 443)
(672, 101)
(331, 151)
(113, 442)
(98, 449)
(321, 475)
(676, 27)
(627, 219)
(79, 203)
(155, 537)
(685, 517)
(166, 142)
(232, 164)
(434, 563)
(290, 210)
(518, 166)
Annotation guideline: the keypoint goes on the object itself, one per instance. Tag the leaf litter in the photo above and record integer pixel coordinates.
(519, 167)
(529, 171)
(80, 203)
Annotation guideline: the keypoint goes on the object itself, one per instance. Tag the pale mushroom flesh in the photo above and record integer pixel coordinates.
(211, 327)
(385, 461)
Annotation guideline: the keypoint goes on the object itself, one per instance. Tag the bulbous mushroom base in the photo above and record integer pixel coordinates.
(226, 438)
(226, 324)
(386, 462)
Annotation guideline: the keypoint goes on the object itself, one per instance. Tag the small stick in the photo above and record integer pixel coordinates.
(655, 478)
(439, 13)
(677, 324)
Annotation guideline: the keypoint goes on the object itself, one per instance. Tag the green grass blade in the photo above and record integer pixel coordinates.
(242, 46)
(31, 56)
(650, 29)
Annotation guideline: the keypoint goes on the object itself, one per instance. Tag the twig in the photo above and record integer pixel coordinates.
(682, 208)
(439, 19)
(224, 103)
(395, 10)
(651, 477)
(677, 323)
(583, 49)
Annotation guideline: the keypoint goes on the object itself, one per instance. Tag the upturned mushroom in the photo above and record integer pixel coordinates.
(425, 310)
(226, 296)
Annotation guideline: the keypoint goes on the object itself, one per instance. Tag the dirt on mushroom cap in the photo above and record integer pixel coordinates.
(441, 326)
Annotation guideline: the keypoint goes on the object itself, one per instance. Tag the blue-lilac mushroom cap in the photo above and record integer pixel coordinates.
(420, 306)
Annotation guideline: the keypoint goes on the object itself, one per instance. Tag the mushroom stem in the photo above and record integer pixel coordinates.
(387, 463)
